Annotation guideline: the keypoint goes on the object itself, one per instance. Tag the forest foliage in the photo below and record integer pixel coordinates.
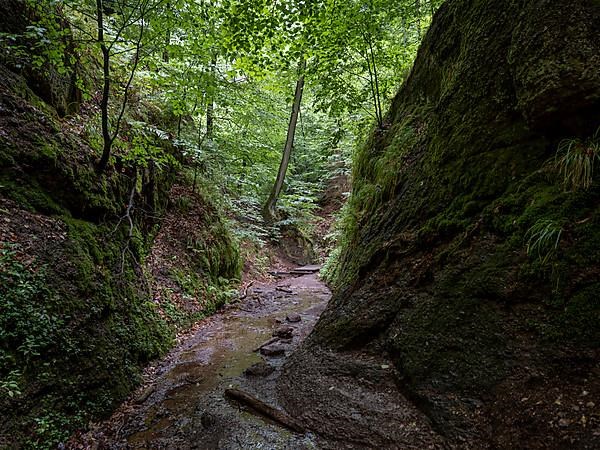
(223, 75)
(134, 99)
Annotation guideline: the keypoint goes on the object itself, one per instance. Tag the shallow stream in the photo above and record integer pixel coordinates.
(181, 404)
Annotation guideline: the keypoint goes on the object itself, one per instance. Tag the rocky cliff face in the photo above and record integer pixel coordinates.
(469, 270)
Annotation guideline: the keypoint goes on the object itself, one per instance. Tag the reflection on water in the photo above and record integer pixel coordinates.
(222, 349)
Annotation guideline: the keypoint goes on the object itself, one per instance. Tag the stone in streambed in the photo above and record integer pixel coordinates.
(261, 369)
(293, 318)
(275, 349)
(285, 332)
(208, 420)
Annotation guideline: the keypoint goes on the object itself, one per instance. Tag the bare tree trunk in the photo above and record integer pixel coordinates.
(210, 119)
(196, 164)
(106, 139)
(269, 211)
(373, 80)
(376, 76)
(210, 103)
(418, 8)
(165, 55)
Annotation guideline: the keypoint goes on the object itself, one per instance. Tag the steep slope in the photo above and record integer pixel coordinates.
(75, 322)
(497, 345)
(80, 311)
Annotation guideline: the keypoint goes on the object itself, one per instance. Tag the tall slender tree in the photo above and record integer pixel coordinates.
(269, 211)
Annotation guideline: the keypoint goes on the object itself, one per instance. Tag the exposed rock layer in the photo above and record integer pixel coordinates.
(434, 274)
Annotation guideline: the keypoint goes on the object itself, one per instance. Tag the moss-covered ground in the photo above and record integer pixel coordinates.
(79, 315)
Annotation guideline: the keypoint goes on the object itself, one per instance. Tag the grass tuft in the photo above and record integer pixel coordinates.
(575, 159)
(543, 239)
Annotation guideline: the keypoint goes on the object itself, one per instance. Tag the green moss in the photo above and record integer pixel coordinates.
(459, 324)
(112, 328)
(433, 264)
(216, 252)
(108, 331)
(29, 195)
(81, 309)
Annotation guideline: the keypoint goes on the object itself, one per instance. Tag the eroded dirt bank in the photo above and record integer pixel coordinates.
(181, 404)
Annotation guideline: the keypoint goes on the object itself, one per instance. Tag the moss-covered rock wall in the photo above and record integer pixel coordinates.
(79, 316)
(77, 321)
(466, 259)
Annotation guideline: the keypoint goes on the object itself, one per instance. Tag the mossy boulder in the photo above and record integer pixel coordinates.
(434, 272)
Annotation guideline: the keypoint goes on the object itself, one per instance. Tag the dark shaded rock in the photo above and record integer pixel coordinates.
(435, 272)
(276, 349)
(554, 88)
(261, 369)
(208, 420)
(295, 245)
(353, 400)
(293, 318)
(285, 332)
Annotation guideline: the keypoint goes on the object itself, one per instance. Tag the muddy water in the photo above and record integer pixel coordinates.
(181, 405)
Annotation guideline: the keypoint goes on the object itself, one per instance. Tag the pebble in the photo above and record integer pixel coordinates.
(293, 318)
(564, 423)
(208, 420)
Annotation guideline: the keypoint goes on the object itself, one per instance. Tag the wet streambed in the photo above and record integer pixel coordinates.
(181, 405)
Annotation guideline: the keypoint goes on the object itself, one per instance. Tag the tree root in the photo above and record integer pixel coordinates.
(274, 414)
(245, 292)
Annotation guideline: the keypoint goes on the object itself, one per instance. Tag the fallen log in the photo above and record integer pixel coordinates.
(305, 270)
(146, 393)
(258, 405)
(277, 273)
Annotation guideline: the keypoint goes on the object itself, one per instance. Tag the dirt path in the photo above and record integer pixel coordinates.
(181, 403)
